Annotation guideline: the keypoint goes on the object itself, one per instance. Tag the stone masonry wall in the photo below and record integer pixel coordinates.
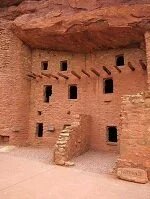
(73, 140)
(15, 64)
(104, 109)
(135, 136)
(147, 42)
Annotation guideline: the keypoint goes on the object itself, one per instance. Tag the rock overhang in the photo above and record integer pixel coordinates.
(83, 32)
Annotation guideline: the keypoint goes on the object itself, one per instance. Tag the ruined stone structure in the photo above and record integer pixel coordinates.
(76, 75)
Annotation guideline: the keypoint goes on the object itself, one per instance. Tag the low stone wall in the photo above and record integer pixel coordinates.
(134, 162)
(73, 140)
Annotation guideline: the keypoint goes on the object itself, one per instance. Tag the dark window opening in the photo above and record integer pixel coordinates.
(4, 139)
(44, 65)
(73, 92)
(47, 93)
(63, 65)
(108, 86)
(39, 112)
(40, 129)
(112, 134)
(120, 60)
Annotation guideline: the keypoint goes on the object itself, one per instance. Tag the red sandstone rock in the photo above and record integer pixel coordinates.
(85, 31)
(133, 175)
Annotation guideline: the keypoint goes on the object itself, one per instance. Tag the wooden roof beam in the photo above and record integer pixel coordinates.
(131, 66)
(75, 74)
(144, 67)
(62, 75)
(85, 73)
(95, 72)
(117, 68)
(106, 70)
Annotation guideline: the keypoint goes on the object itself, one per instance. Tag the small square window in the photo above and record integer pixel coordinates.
(112, 134)
(120, 60)
(39, 112)
(63, 65)
(73, 92)
(44, 65)
(108, 85)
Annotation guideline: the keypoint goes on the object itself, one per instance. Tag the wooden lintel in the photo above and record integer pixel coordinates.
(131, 66)
(31, 76)
(75, 74)
(62, 75)
(144, 67)
(85, 73)
(118, 69)
(50, 75)
(106, 70)
(36, 75)
(95, 72)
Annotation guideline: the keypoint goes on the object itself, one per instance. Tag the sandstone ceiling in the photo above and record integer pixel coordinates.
(78, 25)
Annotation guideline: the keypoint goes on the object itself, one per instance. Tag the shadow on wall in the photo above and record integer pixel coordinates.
(73, 140)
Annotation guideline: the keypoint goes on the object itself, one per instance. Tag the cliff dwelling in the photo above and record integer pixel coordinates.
(75, 76)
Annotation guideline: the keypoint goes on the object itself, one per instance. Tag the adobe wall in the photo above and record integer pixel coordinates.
(73, 140)
(147, 42)
(15, 64)
(135, 134)
(104, 109)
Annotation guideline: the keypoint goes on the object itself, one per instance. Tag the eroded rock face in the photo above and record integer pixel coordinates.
(79, 25)
(4, 3)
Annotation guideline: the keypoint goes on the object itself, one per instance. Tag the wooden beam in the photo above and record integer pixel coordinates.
(31, 76)
(50, 75)
(131, 66)
(62, 75)
(85, 73)
(144, 67)
(118, 69)
(75, 74)
(36, 75)
(106, 70)
(95, 72)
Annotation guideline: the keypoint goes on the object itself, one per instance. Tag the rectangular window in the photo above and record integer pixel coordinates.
(108, 86)
(112, 134)
(73, 92)
(120, 60)
(39, 129)
(47, 93)
(63, 65)
(44, 65)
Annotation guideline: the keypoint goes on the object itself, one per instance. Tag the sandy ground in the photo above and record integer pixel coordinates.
(91, 161)
(25, 173)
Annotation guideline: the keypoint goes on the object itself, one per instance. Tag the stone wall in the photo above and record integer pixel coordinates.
(73, 140)
(135, 136)
(15, 64)
(104, 109)
(147, 42)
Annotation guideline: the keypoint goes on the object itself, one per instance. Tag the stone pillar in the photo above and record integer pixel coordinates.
(147, 42)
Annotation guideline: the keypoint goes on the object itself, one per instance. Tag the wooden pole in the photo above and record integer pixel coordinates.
(131, 66)
(50, 75)
(106, 70)
(85, 73)
(118, 69)
(95, 72)
(62, 75)
(75, 74)
(144, 67)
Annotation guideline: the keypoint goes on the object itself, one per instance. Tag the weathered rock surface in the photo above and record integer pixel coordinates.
(79, 26)
(133, 175)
